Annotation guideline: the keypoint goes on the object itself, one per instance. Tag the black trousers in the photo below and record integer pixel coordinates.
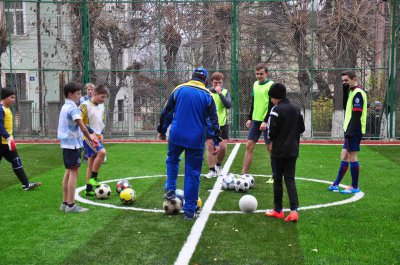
(284, 168)
(15, 161)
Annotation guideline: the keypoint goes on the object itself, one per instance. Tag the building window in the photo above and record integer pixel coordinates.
(121, 110)
(18, 83)
(60, 22)
(15, 16)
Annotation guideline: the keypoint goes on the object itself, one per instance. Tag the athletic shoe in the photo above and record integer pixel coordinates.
(334, 188)
(75, 209)
(94, 182)
(63, 207)
(218, 169)
(90, 193)
(275, 214)
(270, 181)
(292, 217)
(31, 186)
(211, 174)
(169, 195)
(349, 190)
(189, 216)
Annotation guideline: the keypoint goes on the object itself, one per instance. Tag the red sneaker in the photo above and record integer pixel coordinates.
(292, 217)
(275, 214)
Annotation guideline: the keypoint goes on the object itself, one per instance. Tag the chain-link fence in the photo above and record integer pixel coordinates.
(142, 49)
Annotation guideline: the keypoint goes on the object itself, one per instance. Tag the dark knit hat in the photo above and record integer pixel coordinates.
(6, 92)
(277, 91)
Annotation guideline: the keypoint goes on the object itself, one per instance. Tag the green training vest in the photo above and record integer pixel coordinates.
(221, 110)
(349, 109)
(261, 100)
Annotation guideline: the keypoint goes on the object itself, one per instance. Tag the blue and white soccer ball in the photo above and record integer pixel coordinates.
(228, 182)
(250, 179)
(242, 185)
(180, 194)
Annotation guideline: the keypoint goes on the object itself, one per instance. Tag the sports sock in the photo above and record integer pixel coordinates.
(94, 175)
(89, 187)
(355, 173)
(65, 203)
(212, 169)
(218, 164)
(71, 205)
(344, 165)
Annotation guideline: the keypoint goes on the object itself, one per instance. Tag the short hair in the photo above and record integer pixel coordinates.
(261, 66)
(89, 85)
(101, 89)
(351, 74)
(217, 76)
(71, 87)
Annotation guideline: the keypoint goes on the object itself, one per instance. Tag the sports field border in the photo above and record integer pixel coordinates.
(233, 141)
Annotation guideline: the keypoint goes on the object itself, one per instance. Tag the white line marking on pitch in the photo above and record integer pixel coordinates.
(193, 239)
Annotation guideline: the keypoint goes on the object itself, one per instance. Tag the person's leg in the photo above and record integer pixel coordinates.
(354, 169)
(89, 186)
(344, 165)
(172, 164)
(71, 185)
(222, 151)
(65, 186)
(193, 163)
(289, 171)
(210, 159)
(278, 190)
(248, 156)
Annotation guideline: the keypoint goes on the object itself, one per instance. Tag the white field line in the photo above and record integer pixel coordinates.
(193, 239)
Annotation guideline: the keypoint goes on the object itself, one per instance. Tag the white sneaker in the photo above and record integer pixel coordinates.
(210, 175)
(75, 209)
(63, 207)
(218, 169)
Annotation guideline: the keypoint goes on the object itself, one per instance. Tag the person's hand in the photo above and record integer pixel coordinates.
(94, 140)
(263, 126)
(218, 89)
(216, 150)
(12, 146)
(248, 123)
(162, 136)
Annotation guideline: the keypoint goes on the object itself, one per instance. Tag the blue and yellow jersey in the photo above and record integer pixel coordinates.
(93, 116)
(6, 123)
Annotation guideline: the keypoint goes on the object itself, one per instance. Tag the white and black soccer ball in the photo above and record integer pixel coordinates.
(172, 207)
(242, 185)
(127, 196)
(121, 185)
(250, 179)
(228, 182)
(103, 192)
(248, 203)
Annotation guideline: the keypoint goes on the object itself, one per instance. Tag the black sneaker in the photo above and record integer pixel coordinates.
(169, 195)
(31, 185)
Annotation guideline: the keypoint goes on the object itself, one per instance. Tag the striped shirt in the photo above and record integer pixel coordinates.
(69, 133)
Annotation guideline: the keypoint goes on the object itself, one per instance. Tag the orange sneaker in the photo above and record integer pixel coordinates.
(292, 217)
(275, 214)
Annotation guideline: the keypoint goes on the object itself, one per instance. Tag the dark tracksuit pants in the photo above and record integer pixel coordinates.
(284, 168)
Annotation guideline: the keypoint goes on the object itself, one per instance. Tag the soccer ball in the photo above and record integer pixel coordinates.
(180, 194)
(127, 196)
(103, 191)
(250, 179)
(242, 185)
(228, 182)
(173, 206)
(248, 203)
(122, 184)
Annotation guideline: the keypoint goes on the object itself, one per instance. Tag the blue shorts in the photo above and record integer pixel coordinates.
(72, 158)
(255, 132)
(91, 151)
(352, 144)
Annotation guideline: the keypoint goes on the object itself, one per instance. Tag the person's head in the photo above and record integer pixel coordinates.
(72, 91)
(7, 96)
(217, 79)
(89, 88)
(200, 74)
(277, 92)
(261, 72)
(100, 94)
(349, 78)
(377, 105)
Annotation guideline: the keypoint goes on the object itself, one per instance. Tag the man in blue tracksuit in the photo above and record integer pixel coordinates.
(193, 113)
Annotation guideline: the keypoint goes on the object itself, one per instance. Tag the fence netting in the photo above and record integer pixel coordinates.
(142, 49)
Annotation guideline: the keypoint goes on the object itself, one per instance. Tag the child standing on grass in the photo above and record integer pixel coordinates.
(8, 148)
(92, 112)
(70, 128)
(285, 124)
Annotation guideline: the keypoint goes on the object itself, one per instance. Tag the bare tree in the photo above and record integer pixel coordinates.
(3, 33)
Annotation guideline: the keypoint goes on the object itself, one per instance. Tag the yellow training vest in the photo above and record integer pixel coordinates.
(261, 100)
(221, 110)
(349, 110)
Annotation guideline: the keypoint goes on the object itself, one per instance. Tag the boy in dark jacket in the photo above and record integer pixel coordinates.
(285, 125)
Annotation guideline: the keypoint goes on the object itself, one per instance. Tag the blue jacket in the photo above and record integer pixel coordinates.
(191, 112)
